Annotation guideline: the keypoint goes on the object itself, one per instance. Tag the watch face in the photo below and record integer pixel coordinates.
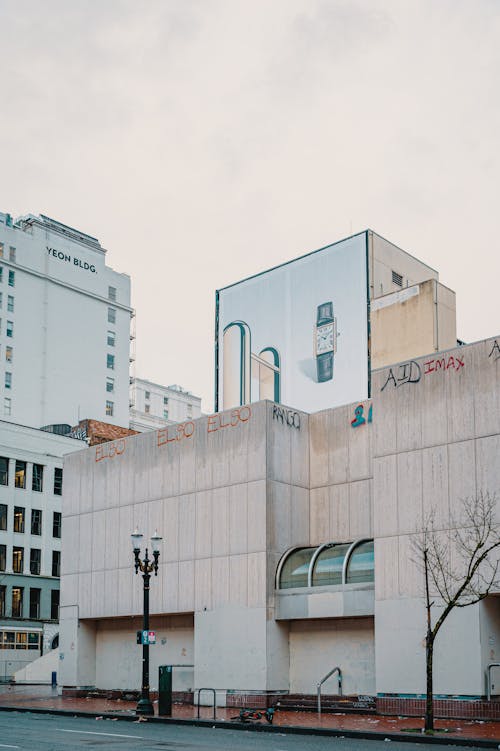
(324, 339)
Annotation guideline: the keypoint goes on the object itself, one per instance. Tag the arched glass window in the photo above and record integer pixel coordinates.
(328, 565)
(360, 567)
(295, 568)
(236, 365)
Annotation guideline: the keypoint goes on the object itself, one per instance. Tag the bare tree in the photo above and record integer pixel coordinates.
(460, 567)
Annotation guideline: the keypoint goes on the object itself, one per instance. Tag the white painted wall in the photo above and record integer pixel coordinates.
(317, 646)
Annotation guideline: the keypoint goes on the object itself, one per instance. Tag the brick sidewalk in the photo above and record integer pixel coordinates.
(40, 698)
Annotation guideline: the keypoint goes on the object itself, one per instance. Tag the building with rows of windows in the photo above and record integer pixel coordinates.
(64, 326)
(153, 406)
(31, 484)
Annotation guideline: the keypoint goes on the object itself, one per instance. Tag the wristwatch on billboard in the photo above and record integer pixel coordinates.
(325, 341)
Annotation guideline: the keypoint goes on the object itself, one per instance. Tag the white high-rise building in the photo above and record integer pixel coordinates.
(64, 326)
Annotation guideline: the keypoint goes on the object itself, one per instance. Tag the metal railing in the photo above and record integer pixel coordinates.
(488, 678)
(215, 699)
(318, 685)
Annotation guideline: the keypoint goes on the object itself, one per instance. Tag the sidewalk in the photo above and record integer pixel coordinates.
(44, 698)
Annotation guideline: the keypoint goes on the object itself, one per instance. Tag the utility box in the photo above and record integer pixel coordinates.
(165, 690)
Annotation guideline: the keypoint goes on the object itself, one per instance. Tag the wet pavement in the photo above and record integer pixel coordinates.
(40, 698)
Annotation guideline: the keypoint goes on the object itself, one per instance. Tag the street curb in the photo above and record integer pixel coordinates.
(444, 739)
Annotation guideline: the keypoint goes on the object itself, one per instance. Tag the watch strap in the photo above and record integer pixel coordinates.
(324, 313)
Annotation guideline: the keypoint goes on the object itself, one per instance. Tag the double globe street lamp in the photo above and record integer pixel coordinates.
(146, 566)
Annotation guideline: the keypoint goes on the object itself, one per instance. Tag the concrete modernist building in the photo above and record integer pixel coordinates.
(153, 406)
(31, 486)
(286, 542)
(65, 326)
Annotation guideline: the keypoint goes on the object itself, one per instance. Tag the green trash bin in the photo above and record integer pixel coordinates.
(165, 690)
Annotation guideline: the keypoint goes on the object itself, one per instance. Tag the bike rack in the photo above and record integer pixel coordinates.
(488, 677)
(318, 686)
(215, 699)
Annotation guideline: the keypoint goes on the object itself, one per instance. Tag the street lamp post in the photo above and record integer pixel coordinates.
(146, 566)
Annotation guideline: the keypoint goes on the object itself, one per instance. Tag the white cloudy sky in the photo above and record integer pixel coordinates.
(205, 140)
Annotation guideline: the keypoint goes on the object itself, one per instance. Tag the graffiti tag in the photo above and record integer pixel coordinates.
(286, 416)
(228, 419)
(109, 450)
(359, 418)
(407, 372)
(495, 351)
(445, 363)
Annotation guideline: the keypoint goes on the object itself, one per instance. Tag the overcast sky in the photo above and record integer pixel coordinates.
(205, 140)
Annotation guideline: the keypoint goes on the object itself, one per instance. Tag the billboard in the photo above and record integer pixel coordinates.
(297, 334)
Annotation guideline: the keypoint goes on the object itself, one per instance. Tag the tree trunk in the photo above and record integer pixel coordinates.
(429, 704)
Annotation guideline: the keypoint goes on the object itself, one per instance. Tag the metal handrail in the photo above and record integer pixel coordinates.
(215, 699)
(488, 677)
(318, 685)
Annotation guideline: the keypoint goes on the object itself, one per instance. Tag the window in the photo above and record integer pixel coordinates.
(56, 524)
(110, 385)
(18, 560)
(295, 569)
(165, 414)
(1, 299)
(36, 521)
(35, 561)
(3, 592)
(8, 380)
(147, 394)
(329, 564)
(112, 293)
(58, 480)
(54, 604)
(37, 481)
(1, 250)
(3, 516)
(3, 557)
(147, 408)
(17, 602)
(8, 354)
(165, 400)
(111, 315)
(111, 338)
(189, 410)
(4, 471)
(1, 273)
(19, 514)
(20, 475)
(12, 278)
(34, 609)
(109, 408)
(10, 329)
(397, 279)
(56, 563)
(360, 567)
(10, 304)
(110, 361)
(12, 254)
(8, 640)
(7, 405)
(34, 639)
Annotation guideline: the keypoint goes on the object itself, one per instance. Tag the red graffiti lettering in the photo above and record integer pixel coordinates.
(453, 362)
(174, 433)
(460, 363)
(429, 367)
(228, 419)
(109, 450)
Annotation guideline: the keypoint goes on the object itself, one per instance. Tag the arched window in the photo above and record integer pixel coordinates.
(295, 568)
(236, 365)
(361, 565)
(328, 565)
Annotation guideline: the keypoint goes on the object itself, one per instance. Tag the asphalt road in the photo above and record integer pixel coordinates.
(39, 732)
